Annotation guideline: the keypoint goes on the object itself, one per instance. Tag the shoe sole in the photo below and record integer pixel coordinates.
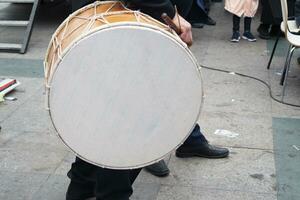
(188, 155)
(264, 37)
(235, 40)
(250, 40)
(159, 174)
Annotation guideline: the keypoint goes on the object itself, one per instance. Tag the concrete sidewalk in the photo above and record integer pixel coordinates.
(34, 162)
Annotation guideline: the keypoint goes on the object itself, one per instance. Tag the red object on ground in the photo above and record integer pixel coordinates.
(7, 84)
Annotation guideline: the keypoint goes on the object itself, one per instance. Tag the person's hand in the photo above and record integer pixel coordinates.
(186, 29)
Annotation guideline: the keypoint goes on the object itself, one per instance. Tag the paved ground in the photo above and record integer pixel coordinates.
(263, 161)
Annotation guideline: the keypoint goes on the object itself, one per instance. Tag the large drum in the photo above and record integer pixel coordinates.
(123, 90)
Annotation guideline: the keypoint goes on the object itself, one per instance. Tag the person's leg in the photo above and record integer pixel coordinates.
(115, 184)
(247, 30)
(247, 24)
(88, 180)
(159, 169)
(195, 137)
(197, 145)
(266, 19)
(236, 23)
(183, 7)
(76, 4)
(235, 29)
(83, 182)
(198, 16)
(266, 14)
(134, 174)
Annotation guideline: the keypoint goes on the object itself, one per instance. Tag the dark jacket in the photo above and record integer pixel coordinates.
(297, 11)
(152, 7)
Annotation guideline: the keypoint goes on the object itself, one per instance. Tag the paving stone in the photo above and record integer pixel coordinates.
(254, 130)
(29, 87)
(287, 157)
(145, 191)
(233, 94)
(244, 170)
(20, 186)
(32, 152)
(200, 193)
(21, 68)
(31, 116)
(65, 165)
(54, 188)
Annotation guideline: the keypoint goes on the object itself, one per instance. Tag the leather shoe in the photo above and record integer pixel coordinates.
(276, 31)
(197, 25)
(80, 191)
(209, 21)
(263, 32)
(159, 169)
(202, 150)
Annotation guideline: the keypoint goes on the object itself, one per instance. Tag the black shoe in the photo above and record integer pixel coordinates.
(79, 191)
(235, 36)
(210, 22)
(275, 31)
(197, 25)
(263, 31)
(204, 150)
(248, 36)
(159, 169)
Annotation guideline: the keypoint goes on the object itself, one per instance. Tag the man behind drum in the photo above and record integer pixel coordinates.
(88, 180)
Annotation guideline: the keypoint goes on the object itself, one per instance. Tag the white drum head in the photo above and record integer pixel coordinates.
(124, 97)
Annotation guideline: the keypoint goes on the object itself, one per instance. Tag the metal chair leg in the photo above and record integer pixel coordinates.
(285, 65)
(273, 51)
(287, 71)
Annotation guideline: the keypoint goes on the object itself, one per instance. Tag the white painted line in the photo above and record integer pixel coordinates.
(226, 133)
(296, 147)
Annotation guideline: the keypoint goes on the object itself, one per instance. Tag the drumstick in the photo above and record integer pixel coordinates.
(170, 23)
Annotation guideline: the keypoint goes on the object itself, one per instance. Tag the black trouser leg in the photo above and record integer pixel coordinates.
(82, 172)
(83, 180)
(115, 184)
(105, 184)
(196, 14)
(183, 6)
(236, 23)
(266, 14)
(76, 4)
(247, 24)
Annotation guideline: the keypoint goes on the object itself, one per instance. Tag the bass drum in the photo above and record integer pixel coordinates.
(123, 90)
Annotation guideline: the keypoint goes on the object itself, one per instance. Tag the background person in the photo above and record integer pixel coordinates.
(239, 8)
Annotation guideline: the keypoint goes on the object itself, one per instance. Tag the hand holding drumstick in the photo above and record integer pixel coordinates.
(182, 27)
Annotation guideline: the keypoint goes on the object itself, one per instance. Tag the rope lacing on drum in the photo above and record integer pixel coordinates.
(58, 48)
(113, 5)
(47, 89)
(90, 24)
(65, 30)
(138, 18)
(101, 18)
